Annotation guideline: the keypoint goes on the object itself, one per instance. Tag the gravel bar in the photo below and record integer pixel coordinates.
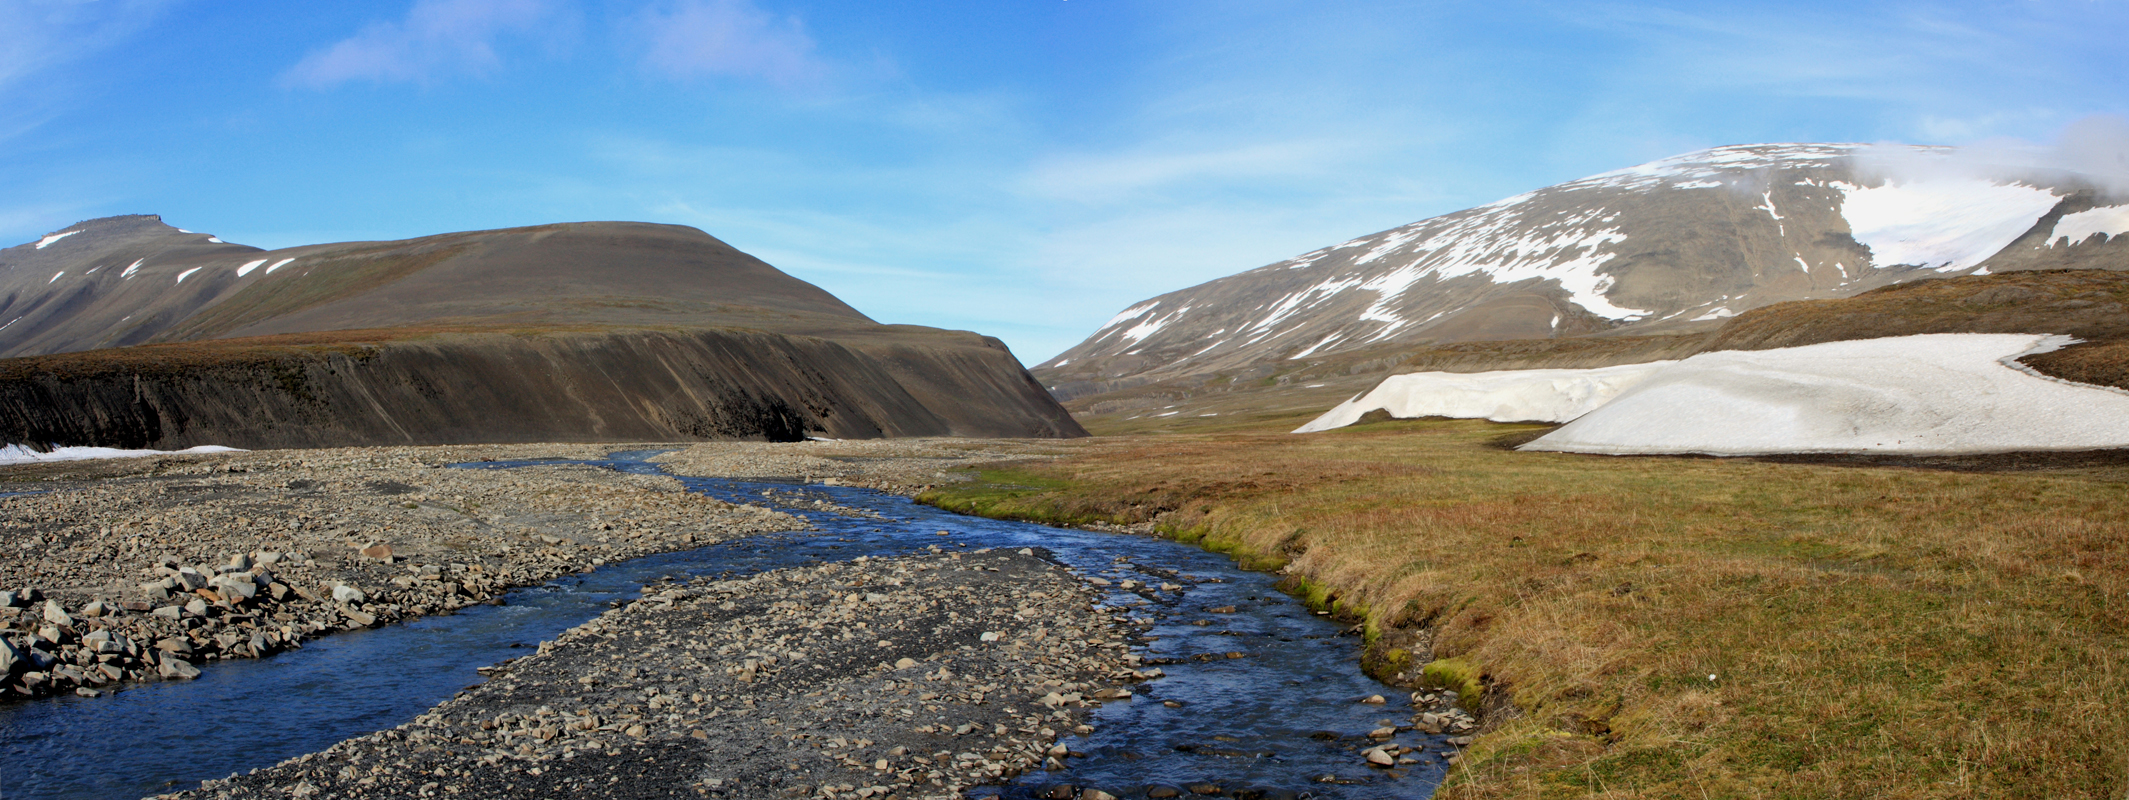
(895, 677)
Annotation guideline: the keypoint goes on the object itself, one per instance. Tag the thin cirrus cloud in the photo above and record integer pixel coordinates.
(727, 38)
(436, 39)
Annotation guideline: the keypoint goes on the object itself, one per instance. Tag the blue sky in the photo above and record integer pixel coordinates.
(1024, 168)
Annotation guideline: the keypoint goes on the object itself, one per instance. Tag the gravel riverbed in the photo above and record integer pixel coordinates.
(918, 676)
(913, 677)
(148, 569)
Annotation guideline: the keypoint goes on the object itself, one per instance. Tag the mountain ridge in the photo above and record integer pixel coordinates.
(1675, 245)
(127, 332)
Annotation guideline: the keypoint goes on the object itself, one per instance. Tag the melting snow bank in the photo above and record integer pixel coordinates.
(1529, 395)
(19, 454)
(1926, 394)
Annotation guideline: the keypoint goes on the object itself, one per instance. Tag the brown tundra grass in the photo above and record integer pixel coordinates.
(1681, 627)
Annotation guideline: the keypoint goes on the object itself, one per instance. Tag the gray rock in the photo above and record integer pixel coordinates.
(234, 586)
(240, 561)
(96, 608)
(197, 608)
(343, 593)
(190, 579)
(178, 669)
(57, 614)
(12, 658)
(171, 612)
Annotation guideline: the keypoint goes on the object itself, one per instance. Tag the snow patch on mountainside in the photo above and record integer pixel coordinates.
(1704, 169)
(48, 240)
(1946, 225)
(17, 454)
(1540, 395)
(2076, 228)
(248, 267)
(1924, 394)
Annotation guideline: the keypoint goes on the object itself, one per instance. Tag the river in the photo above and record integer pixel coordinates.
(1284, 717)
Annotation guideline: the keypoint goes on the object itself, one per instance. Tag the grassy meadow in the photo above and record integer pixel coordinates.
(1673, 627)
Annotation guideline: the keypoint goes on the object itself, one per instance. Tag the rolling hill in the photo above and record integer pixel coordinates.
(127, 332)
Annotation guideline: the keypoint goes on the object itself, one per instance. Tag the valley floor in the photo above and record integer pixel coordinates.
(130, 570)
(1676, 627)
(1649, 627)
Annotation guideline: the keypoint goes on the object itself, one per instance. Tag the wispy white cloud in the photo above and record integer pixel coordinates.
(437, 38)
(1091, 178)
(41, 34)
(38, 37)
(2096, 147)
(727, 38)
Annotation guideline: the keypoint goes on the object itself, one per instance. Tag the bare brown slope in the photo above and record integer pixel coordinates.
(432, 387)
(613, 273)
(2089, 304)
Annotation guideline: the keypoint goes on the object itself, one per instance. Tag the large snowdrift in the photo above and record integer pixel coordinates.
(1531, 395)
(1926, 394)
(17, 454)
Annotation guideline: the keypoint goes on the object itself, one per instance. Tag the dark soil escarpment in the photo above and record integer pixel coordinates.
(559, 386)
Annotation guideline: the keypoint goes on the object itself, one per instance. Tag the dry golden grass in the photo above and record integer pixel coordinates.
(1682, 627)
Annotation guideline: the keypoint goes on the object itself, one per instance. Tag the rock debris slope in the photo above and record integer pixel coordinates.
(1675, 245)
(130, 333)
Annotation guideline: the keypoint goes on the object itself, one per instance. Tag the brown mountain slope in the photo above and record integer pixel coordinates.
(132, 280)
(591, 331)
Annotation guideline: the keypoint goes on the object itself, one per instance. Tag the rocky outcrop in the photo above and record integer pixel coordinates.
(559, 386)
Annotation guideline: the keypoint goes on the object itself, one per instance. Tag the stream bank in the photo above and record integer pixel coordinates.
(1257, 696)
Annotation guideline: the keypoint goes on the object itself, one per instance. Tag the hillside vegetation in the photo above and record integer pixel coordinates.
(1677, 627)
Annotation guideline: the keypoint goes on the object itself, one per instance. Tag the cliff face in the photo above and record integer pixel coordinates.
(556, 386)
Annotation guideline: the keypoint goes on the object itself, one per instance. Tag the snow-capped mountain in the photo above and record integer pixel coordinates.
(1676, 244)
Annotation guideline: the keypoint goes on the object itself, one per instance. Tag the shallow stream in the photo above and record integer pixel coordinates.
(1284, 716)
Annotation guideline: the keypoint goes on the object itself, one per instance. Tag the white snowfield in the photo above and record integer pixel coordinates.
(1951, 393)
(51, 238)
(18, 454)
(1926, 394)
(1945, 225)
(1527, 395)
